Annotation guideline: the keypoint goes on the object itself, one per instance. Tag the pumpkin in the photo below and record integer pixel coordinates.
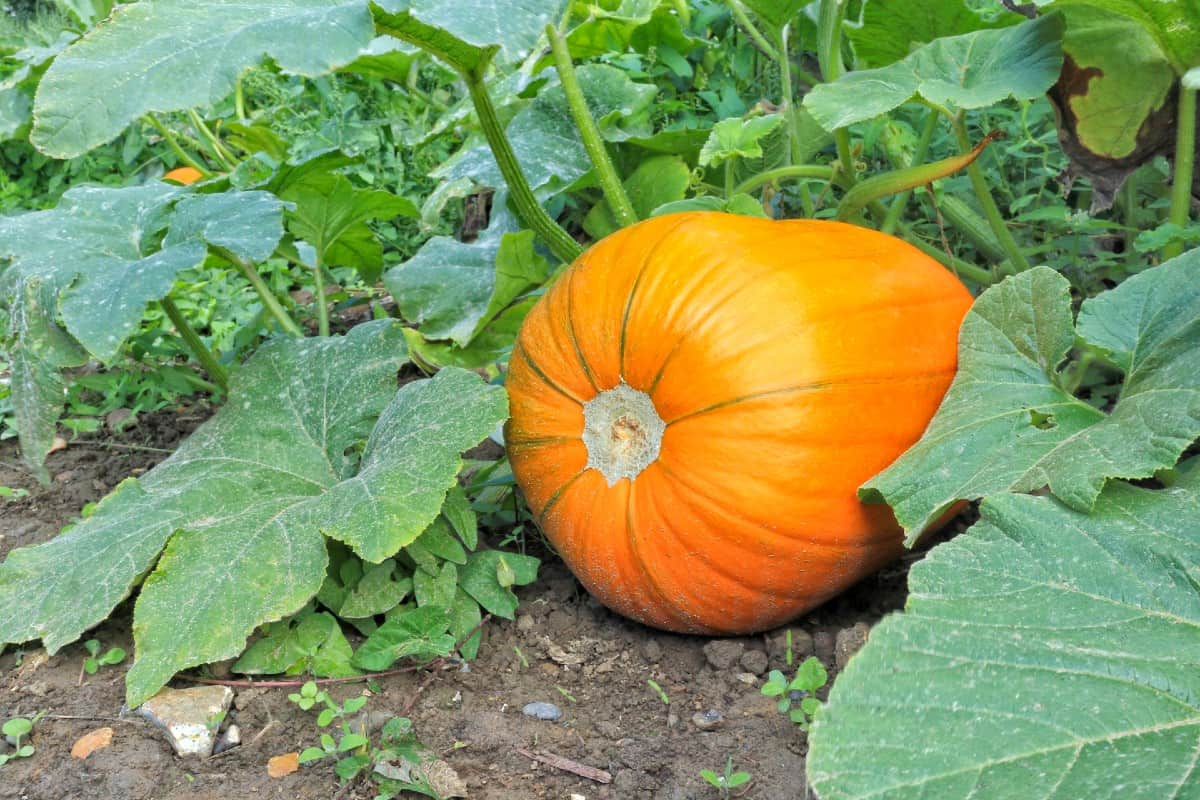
(184, 175)
(695, 401)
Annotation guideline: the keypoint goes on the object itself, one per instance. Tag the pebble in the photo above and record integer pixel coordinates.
(525, 623)
(186, 716)
(849, 641)
(748, 678)
(652, 651)
(547, 711)
(231, 738)
(708, 720)
(723, 653)
(754, 661)
(609, 729)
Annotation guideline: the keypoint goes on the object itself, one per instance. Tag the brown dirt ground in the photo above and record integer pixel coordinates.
(563, 648)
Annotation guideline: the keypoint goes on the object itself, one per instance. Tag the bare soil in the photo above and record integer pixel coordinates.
(563, 648)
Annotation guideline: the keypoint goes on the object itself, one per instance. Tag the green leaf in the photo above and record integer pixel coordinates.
(311, 754)
(638, 25)
(379, 590)
(307, 642)
(255, 555)
(776, 13)
(172, 55)
(737, 138)
(490, 345)
(480, 578)
(437, 589)
(1007, 425)
(331, 215)
(656, 181)
(1116, 104)
(453, 290)
(1044, 653)
(15, 108)
(465, 32)
(410, 462)
(465, 618)
(458, 512)
(38, 350)
(248, 224)
(973, 70)
(419, 633)
(891, 29)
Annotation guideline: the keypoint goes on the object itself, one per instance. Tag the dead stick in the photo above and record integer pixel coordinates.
(567, 765)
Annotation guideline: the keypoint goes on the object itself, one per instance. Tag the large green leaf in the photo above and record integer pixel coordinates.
(891, 29)
(1008, 425)
(452, 290)
(95, 262)
(973, 70)
(169, 55)
(410, 462)
(241, 506)
(464, 32)
(1043, 654)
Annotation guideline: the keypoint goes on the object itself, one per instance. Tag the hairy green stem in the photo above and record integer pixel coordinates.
(269, 301)
(213, 142)
(239, 99)
(918, 156)
(319, 288)
(959, 267)
(683, 10)
(1185, 155)
(610, 181)
(745, 23)
(561, 244)
(829, 38)
(816, 171)
(1016, 259)
(186, 332)
(169, 137)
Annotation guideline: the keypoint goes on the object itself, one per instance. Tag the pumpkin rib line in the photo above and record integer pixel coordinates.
(558, 493)
(842, 546)
(810, 387)
(587, 370)
(637, 280)
(520, 351)
(665, 606)
(540, 441)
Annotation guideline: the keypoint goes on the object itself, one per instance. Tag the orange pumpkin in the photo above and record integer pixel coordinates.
(697, 398)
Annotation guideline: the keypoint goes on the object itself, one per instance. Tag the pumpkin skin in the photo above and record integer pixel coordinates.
(789, 361)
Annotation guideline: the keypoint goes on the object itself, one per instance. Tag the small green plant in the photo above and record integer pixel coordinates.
(350, 749)
(658, 690)
(728, 781)
(94, 660)
(397, 764)
(800, 690)
(9, 493)
(19, 728)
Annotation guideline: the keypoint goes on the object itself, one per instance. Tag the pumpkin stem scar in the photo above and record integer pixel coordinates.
(622, 432)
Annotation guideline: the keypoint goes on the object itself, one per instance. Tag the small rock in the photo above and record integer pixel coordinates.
(849, 641)
(525, 622)
(748, 678)
(231, 738)
(708, 720)
(754, 661)
(546, 711)
(189, 716)
(369, 723)
(115, 420)
(66, 476)
(652, 651)
(723, 653)
(609, 729)
(823, 646)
